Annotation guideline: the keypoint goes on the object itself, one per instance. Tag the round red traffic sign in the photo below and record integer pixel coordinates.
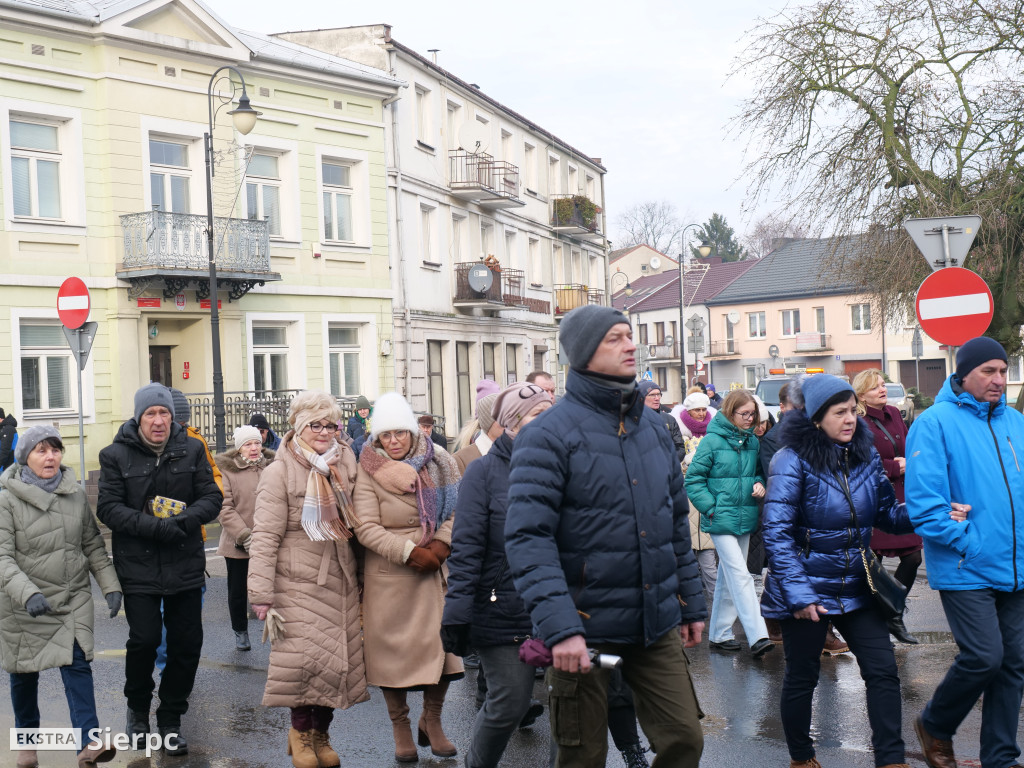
(954, 305)
(73, 303)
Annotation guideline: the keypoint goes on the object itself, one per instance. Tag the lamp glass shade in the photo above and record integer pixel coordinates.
(704, 249)
(244, 118)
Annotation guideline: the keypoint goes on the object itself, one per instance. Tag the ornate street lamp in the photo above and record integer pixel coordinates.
(705, 250)
(244, 119)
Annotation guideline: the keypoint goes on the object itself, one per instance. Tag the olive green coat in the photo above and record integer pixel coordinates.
(49, 543)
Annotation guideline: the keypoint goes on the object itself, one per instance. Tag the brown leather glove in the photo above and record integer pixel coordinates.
(423, 560)
(440, 549)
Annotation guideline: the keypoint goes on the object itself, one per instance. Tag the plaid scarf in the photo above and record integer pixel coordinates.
(325, 494)
(432, 476)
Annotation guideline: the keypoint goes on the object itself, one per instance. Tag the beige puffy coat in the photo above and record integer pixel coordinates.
(401, 608)
(239, 508)
(49, 543)
(313, 585)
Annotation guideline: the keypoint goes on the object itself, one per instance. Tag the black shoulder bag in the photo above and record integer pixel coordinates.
(890, 596)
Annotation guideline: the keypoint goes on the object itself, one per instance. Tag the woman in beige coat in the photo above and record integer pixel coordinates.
(303, 575)
(405, 498)
(240, 470)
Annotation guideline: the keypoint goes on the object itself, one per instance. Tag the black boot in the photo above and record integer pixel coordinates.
(633, 756)
(899, 630)
(174, 742)
(137, 728)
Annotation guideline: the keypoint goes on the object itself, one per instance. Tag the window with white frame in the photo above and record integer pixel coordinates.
(458, 234)
(553, 175)
(46, 369)
(756, 328)
(453, 124)
(860, 317)
(488, 366)
(423, 114)
(589, 189)
(536, 265)
(427, 249)
(790, 322)
(486, 239)
(1015, 369)
(336, 176)
(435, 376)
(530, 167)
(36, 168)
(269, 358)
(511, 364)
(506, 147)
(750, 376)
(263, 190)
(343, 359)
(559, 263)
(573, 185)
(170, 175)
(510, 249)
(464, 383)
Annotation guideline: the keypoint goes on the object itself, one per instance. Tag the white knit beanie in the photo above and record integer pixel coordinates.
(246, 433)
(392, 412)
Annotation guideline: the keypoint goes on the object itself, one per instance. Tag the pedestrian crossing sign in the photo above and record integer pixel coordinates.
(647, 376)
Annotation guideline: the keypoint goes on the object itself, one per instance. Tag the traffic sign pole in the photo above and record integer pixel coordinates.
(73, 305)
(81, 416)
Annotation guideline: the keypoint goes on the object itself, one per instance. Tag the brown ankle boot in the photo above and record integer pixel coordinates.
(27, 758)
(430, 731)
(300, 747)
(833, 645)
(88, 757)
(812, 763)
(398, 711)
(325, 753)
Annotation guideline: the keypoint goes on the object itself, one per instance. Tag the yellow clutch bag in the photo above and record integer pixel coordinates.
(165, 507)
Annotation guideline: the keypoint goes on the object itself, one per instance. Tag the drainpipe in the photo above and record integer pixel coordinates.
(403, 276)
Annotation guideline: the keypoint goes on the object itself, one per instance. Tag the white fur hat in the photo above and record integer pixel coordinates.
(762, 409)
(391, 411)
(696, 400)
(246, 433)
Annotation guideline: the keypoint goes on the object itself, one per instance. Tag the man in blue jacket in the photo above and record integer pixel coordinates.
(598, 543)
(969, 446)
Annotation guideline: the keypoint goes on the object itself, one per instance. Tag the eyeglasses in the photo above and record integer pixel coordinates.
(745, 415)
(318, 428)
(653, 394)
(398, 434)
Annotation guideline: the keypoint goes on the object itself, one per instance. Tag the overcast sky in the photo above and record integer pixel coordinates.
(640, 84)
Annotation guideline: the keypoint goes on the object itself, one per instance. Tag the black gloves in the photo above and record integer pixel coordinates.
(187, 523)
(113, 602)
(167, 529)
(455, 638)
(36, 605)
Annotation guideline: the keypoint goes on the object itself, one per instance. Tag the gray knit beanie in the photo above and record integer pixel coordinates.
(32, 437)
(150, 395)
(182, 410)
(583, 329)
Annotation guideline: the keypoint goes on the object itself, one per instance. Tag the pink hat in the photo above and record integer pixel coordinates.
(486, 387)
(517, 400)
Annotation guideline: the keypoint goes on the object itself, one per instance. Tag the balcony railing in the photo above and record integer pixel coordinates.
(479, 177)
(813, 342)
(572, 295)
(575, 215)
(663, 351)
(508, 287)
(723, 348)
(173, 246)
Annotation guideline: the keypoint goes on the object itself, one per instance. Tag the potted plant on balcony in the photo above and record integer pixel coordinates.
(576, 209)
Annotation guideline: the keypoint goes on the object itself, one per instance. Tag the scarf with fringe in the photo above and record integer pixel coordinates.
(327, 512)
(432, 476)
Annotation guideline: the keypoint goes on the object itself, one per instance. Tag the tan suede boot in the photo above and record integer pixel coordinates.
(398, 711)
(300, 747)
(325, 753)
(88, 758)
(27, 758)
(812, 763)
(430, 731)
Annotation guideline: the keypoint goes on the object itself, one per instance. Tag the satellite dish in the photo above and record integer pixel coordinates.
(773, 351)
(655, 263)
(734, 317)
(474, 137)
(480, 278)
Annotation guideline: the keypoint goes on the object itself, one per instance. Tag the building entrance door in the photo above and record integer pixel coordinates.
(160, 365)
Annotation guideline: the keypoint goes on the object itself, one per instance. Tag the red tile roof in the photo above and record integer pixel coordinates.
(661, 291)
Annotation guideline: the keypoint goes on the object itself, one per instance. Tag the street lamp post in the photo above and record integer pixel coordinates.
(244, 120)
(704, 249)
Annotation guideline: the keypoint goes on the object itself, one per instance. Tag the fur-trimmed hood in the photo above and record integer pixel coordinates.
(799, 433)
(229, 461)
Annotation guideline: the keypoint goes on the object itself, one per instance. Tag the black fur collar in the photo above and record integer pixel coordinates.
(814, 446)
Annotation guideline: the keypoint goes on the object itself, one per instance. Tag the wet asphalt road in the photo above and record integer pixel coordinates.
(228, 728)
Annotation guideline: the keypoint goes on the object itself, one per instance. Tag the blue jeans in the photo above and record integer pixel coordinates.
(77, 677)
(988, 626)
(735, 596)
(509, 689)
(868, 636)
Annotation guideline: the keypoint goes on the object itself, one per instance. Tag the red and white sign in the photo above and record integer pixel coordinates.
(179, 302)
(148, 302)
(954, 305)
(73, 303)
(700, 365)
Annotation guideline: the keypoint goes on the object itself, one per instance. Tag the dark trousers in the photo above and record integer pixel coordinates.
(868, 637)
(509, 688)
(183, 619)
(77, 678)
(621, 712)
(988, 627)
(666, 706)
(238, 575)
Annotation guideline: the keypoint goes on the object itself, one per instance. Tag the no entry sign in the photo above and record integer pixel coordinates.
(73, 303)
(954, 305)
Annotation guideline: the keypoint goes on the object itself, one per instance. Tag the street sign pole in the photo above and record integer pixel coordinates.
(81, 410)
(73, 305)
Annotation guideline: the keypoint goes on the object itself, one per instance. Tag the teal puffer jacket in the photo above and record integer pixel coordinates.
(721, 478)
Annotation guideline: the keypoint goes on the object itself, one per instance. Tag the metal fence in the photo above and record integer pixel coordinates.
(178, 241)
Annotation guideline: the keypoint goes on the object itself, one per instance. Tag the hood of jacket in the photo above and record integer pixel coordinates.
(31, 494)
(9, 422)
(811, 444)
(721, 426)
(502, 448)
(952, 391)
(228, 461)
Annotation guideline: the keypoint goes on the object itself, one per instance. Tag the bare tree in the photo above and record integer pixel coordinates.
(868, 112)
(652, 223)
(767, 233)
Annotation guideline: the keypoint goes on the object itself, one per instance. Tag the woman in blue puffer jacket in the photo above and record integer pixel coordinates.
(827, 471)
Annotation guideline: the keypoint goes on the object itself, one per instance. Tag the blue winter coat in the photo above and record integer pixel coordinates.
(480, 588)
(597, 534)
(813, 549)
(972, 453)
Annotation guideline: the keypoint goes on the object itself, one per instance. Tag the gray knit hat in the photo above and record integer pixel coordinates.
(182, 410)
(32, 437)
(583, 329)
(150, 395)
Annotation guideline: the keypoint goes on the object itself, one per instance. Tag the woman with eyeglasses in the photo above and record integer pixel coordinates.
(405, 503)
(724, 483)
(303, 578)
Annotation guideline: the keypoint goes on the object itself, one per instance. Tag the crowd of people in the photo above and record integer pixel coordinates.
(553, 535)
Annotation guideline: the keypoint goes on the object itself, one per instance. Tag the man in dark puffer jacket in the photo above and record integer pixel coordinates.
(158, 560)
(598, 542)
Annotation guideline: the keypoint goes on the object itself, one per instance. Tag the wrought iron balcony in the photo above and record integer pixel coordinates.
(572, 295)
(576, 215)
(724, 348)
(507, 290)
(484, 180)
(171, 247)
